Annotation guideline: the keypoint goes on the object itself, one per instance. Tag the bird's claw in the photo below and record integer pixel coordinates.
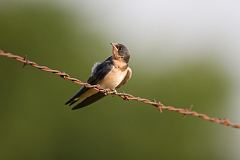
(114, 91)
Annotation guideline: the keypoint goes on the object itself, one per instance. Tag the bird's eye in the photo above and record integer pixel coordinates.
(119, 48)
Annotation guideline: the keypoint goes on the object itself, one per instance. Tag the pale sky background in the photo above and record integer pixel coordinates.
(150, 25)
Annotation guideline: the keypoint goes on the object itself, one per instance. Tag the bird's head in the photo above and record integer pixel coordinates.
(120, 52)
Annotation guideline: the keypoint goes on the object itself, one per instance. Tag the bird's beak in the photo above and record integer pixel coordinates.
(115, 51)
(114, 46)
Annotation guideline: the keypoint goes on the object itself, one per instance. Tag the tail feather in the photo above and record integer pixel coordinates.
(71, 101)
(89, 100)
(75, 98)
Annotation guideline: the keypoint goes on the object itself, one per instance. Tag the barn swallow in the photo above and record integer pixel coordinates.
(112, 73)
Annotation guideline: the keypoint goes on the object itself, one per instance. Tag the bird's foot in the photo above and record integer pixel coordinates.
(114, 91)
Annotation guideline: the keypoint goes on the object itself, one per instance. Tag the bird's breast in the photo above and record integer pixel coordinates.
(113, 78)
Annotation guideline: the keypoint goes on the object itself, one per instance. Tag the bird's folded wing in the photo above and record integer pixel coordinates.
(98, 73)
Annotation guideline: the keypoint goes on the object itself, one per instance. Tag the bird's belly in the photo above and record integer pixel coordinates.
(113, 78)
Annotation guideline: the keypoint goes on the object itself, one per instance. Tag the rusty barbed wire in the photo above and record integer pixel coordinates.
(124, 96)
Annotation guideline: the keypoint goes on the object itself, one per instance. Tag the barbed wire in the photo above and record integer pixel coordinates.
(124, 96)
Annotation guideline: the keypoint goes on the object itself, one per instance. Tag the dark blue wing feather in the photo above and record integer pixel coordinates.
(99, 72)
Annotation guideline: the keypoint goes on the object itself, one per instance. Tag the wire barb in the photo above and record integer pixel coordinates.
(124, 96)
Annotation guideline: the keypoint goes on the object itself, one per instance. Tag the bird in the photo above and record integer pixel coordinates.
(112, 73)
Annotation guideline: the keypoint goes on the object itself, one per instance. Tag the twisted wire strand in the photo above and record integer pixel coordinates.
(124, 96)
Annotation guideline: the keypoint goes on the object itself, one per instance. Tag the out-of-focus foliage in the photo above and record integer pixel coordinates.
(35, 124)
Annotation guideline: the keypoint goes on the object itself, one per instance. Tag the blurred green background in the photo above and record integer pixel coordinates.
(35, 124)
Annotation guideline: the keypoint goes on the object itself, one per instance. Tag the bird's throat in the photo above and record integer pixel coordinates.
(120, 65)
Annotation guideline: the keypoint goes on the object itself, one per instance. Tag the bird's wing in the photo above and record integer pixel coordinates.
(98, 95)
(126, 78)
(99, 71)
